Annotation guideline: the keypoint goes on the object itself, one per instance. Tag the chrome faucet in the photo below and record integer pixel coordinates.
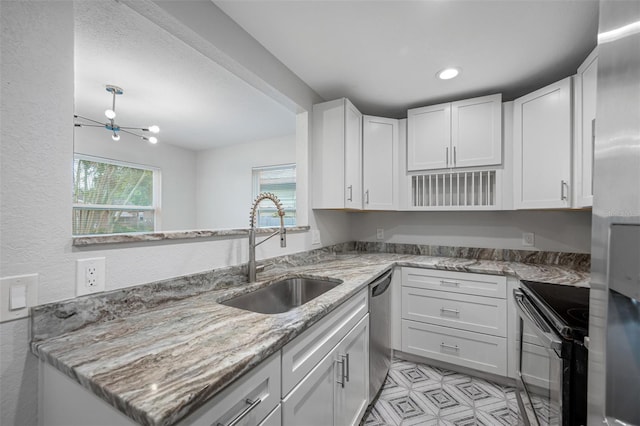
(252, 231)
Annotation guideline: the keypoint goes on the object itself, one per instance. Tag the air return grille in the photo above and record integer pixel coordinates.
(454, 189)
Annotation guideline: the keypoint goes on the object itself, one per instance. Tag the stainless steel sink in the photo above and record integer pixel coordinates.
(282, 296)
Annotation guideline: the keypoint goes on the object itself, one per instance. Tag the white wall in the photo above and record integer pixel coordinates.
(225, 183)
(35, 199)
(568, 231)
(177, 165)
(35, 156)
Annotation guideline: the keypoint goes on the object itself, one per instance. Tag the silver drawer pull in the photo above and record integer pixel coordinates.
(350, 197)
(450, 283)
(453, 348)
(243, 413)
(453, 311)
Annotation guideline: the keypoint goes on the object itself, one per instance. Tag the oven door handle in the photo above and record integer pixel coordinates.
(529, 314)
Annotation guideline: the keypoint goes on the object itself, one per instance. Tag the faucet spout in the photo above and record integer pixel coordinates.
(251, 266)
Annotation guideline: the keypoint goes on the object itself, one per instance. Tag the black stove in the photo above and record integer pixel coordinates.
(559, 316)
(566, 307)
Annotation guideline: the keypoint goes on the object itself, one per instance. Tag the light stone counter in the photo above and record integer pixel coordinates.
(157, 352)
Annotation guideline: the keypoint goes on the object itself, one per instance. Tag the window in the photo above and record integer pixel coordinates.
(112, 197)
(281, 181)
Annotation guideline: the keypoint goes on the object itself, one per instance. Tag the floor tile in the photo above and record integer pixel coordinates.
(416, 394)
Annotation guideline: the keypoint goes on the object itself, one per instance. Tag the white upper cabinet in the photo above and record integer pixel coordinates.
(542, 147)
(337, 155)
(585, 124)
(429, 137)
(465, 133)
(476, 131)
(380, 163)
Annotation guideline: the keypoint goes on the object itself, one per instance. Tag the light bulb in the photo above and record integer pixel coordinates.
(110, 114)
(115, 137)
(153, 139)
(448, 73)
(154, 129)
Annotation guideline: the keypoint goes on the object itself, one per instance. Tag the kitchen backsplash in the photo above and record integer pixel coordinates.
(54, 319)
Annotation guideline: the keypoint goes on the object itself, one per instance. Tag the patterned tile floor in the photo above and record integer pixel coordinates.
(419, 394)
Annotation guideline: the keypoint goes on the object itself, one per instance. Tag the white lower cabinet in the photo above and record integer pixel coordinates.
(352, 396)
(274, 418)
(249, 401)
(312, 402)
(455, 317)
(473, 350)
(335, 392)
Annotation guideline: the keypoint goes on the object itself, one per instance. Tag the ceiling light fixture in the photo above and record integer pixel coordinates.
(448, 73)
(111, 125)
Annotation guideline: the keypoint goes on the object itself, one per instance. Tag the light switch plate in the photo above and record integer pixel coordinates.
(315, 237)
(29, 283)
(380, 234)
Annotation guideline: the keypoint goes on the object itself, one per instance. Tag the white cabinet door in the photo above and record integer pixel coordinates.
(476, 131)
(429, 137)
(337, 155)
(352, 398)
(352, 157)
(542, 147)
(380, 159)
(585, 123)
(312, 402)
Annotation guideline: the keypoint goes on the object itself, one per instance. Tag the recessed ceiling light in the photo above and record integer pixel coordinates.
(448, 73)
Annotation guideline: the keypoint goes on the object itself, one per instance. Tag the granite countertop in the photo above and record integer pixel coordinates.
(157, 357)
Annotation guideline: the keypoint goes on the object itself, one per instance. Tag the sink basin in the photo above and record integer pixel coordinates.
(282, 296)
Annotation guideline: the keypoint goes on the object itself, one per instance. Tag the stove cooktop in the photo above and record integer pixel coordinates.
(569, 305)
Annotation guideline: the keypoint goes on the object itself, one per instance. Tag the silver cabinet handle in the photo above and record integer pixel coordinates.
(454, 311)
(342, 372)
(446, 155)
(563, 185)
(593, 150)
(346, 359)
(444, 345)
(350, 188)
(243, 413)
(455, 160)
(449, 283)
(366, 194)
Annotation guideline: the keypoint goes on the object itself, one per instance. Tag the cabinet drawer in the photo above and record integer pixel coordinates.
(456, 282)
(479, 351)
(473, 313)
(262, 383)
(305, 352)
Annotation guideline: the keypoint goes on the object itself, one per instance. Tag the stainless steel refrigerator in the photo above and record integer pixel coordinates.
(614, 321)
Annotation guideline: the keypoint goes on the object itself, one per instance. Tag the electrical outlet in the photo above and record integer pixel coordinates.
(380, 234)
(528, 239)
(90, 276)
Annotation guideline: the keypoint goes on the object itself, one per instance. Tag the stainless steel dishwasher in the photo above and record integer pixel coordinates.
(379, 333)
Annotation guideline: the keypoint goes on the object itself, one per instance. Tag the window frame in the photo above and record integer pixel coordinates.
(155, 206)
(255, 187)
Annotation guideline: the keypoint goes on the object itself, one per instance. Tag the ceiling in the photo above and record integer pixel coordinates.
(196, 103)
(383, 55)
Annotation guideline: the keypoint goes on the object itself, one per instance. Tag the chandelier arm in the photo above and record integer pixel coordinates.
(142, 129)
(131, 133)
(88, 119)
(88, 125)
